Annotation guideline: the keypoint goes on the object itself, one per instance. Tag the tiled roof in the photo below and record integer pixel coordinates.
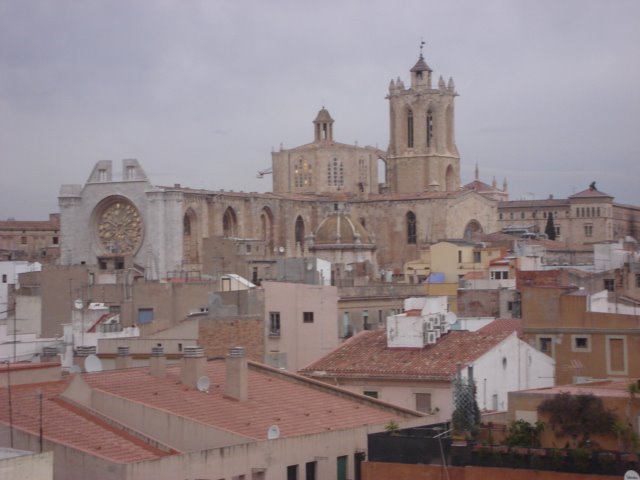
(479, 186)
(273, 399)
(297, 405)
(547, 202)
(503, 325)
(64, 424)
(590, 193)
(367, 355)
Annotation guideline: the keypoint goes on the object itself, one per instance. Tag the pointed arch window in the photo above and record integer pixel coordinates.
(299, 233)
(229, 223)
(410, 128)
(429, 128)
(411, 228)
(335, 173)
(302, 173)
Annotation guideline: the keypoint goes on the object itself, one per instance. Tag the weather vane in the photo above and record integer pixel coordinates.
(421, 44)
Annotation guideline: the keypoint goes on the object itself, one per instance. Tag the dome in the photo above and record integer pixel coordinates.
(341, 229)
(323, 116)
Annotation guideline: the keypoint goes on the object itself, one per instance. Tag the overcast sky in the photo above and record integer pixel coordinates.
(201, 91)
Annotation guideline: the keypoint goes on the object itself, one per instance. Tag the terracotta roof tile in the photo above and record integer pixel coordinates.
(367, 355)
(297, 405)
(503, 325)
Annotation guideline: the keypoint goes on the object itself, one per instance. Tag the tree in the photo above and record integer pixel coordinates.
(550, 229)
(577, 416)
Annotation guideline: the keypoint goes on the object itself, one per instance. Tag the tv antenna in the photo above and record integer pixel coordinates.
(92, 364)
(203, 384)
(273, 432)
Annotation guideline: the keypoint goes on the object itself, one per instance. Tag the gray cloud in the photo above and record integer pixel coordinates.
(201, 91)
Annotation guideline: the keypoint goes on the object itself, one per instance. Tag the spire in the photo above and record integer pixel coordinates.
(493, 183)
(504, 185)
(441, 83)
(477, 172)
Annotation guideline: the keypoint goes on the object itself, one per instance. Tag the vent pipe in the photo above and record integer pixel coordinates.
(194, 366)
(158, 362)
(236, 382)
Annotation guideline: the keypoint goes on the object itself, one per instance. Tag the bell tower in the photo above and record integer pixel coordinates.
(422, 153)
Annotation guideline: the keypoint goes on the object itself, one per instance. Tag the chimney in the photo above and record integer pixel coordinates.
(81, 354)
(236, 381)
(158, 362)
(123, 360)
(194, 366)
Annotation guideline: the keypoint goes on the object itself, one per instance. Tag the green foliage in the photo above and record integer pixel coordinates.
(391, 426)
(550, 229)
(577, 416)
(523, 434)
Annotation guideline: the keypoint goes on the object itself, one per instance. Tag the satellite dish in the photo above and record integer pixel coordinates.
(273, 432)
(348, 267)
(75, 369)
(203, 384)
(92, 364)
(450, 318)
(281, 249)
(78, 304)
(631, 475)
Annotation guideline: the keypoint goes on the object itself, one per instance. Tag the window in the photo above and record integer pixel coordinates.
(499, 275)
(310, 470)
(557, 232)
(477, 257)
(274, 324)
(247, 248)
(423, 402)
(500, 216)
(145, 315)
(307, 317)
(459, 256)
(545, 344)
(588, 230)
(102, 175)
(521, 214)
(23, 240)
(609, 284)
(341, 463)
(102, 265)
(580, 343)
(637, 279)
(410, 129)
(411, 228)
(292, 472)
(371, 393)
(365, 319)
(131, 172)
(429, 127)
(4, 278)
(54, 240)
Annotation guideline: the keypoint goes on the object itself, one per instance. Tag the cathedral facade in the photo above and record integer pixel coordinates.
(327, 201)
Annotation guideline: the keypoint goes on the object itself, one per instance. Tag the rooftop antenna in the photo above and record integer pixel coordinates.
(203, 384)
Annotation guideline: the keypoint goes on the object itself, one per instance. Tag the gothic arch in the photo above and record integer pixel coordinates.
(230, 223)
(266, 228)
(411, 224)
(473, 228)
(450, 179)
(299, 232)
(410, 131)
(190, 237)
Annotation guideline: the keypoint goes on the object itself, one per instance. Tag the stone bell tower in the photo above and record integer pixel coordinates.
(422, 153)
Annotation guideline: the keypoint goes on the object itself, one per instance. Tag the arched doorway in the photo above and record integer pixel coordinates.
(472, 229)
(299, 232)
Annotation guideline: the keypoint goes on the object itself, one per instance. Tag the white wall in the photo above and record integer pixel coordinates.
(510, 366)
(9, 272)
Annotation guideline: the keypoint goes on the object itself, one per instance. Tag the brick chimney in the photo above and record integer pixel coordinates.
(123, 360)
(236, 381)
(194, 366)
(158, 362)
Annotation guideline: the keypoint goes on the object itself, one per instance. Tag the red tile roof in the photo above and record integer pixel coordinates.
(367, 355)
(503, 325)
(297, 405)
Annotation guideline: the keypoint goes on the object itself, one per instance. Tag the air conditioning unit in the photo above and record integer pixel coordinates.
(430, 338)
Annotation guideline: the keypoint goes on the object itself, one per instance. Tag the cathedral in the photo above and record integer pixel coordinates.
(329, 200)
